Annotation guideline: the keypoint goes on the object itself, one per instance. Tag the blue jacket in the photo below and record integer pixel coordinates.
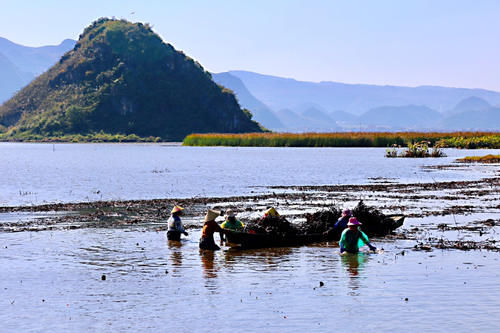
(342, 223)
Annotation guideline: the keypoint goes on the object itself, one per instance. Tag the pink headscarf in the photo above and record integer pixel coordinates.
(353, 221)
(346, 212)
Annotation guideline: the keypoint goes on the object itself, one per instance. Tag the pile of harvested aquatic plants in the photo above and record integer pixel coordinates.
(273, 225)
(374, 222)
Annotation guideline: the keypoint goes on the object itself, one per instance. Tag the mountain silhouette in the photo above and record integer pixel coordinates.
(479, 120)
(20, 64)
(260, 111)
(11, 78)
(472, 103)
(34, 60)
(407, 117)
(283, 93)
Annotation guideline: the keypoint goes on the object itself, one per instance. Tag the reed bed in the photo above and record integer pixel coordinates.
(481, 159)
(347, 139)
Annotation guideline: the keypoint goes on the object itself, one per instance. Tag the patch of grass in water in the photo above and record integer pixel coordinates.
(490, 158)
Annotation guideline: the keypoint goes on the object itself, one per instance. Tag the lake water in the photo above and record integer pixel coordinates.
(53, 280)
(32, 174)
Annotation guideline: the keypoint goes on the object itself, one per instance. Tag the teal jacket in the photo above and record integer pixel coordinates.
(235, 226)
(352, 240)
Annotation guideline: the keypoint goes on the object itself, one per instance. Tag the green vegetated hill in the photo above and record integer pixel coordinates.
(121, 78)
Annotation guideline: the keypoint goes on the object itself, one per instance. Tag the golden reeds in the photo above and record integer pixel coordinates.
(347, 139)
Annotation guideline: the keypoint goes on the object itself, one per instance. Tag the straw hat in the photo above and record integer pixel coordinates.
(346, 212)
(271, 211)
(353, 221)
(211, 215)
(230, 213)
(176, 209)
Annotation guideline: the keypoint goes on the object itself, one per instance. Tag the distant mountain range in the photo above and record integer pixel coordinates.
(34, 60)
(285, 104)
(11, 78)
(20, 64)
(330, 106)
(259, 110)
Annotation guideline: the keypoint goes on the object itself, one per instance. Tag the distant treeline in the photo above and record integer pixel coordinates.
(91, 137)
(470, 140)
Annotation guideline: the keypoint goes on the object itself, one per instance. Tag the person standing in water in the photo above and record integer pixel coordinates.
(343, 220)
(340, 225)
(175, 227)
(209, 228)
(353, 238)
(232, 223)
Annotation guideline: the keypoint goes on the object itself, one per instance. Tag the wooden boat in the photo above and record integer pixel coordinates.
(397, 221)
(248, 240)
(251, 240)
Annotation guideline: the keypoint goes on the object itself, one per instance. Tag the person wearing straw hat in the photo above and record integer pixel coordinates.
(353, 238)
(271, 212)
(175, 227)
(209, 228)
(231, 222)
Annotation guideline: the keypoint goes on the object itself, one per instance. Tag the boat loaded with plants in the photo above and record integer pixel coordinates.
(277, 231)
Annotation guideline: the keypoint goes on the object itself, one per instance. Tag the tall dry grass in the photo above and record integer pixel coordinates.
(347, 139)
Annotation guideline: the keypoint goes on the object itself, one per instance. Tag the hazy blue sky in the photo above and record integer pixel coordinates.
(399, 42)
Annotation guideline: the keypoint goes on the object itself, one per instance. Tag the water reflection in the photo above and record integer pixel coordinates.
(354, 263)
(175, 255)
(207, 261)
(264, 260)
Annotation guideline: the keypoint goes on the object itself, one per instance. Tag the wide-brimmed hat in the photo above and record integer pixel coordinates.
(346, 212)
(211, 215)
(230, 213)
(353, 221)
(177, 209)
(271, 211)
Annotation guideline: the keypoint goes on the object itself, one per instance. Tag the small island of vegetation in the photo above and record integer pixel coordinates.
(417, 149)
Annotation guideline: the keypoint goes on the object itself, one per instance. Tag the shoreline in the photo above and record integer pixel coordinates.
(290, 192)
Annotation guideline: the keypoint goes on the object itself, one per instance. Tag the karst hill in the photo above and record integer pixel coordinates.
(121, 78)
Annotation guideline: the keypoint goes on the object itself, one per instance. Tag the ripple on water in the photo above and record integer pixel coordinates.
(54, 280)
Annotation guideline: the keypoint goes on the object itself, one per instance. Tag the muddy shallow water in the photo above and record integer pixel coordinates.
(54, 280)
(105, 266)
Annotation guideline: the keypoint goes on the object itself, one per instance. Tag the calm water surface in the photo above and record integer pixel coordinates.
(46, 173)
(51, 281)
